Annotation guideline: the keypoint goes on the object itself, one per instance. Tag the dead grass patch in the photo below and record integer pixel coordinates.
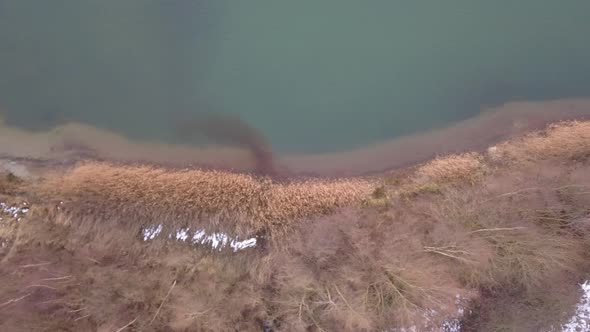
(527, 249)
(9, 183)
(342, 273)
(463, 168)
(238, 203)
(561, 141)
(433, 177)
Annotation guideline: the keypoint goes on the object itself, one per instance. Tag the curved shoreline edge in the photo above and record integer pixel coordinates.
(76, 141)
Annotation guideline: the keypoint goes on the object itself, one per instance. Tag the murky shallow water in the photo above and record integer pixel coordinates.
(314, 77)
(74, 141)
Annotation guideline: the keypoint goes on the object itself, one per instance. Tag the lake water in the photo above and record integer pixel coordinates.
(313, 76)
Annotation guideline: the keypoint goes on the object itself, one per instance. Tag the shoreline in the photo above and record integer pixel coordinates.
(474, 134)
(74, 142)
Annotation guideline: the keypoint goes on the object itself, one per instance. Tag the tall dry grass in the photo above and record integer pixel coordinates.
(562, 141)
(462, 167)
(220, 200)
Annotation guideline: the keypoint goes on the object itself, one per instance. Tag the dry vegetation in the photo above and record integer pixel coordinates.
(464, 167)
(236, 203)
(506, 235)
(563, 141)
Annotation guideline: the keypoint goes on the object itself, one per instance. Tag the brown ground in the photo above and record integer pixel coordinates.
(507, 231)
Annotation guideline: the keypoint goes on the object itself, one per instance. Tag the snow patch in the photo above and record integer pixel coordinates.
(151, 232)
(16, 212)
(580, 321)
(200, 237)
(451, 324)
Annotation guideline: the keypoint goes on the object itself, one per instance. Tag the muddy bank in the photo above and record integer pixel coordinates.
(75, 141)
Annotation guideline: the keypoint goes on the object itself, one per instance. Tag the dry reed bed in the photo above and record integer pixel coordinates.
(565, 140)
(450, 168)
(212, 199)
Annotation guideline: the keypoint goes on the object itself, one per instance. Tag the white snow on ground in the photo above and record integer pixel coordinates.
(151, 232)
(200, 237)
(580, 321)
(16, 212)
(197, 237)
(12, 212)
(452, 324)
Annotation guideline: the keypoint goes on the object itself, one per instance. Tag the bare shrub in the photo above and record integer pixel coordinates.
(354, 272)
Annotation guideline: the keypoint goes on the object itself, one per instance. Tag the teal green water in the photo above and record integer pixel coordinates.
(314, 76)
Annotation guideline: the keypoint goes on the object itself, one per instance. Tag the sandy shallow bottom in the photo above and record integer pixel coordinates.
(76, 141)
